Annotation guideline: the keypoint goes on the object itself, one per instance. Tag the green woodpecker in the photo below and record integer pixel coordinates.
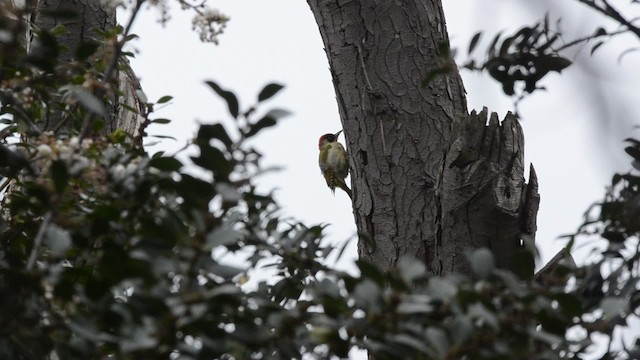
(333, 162)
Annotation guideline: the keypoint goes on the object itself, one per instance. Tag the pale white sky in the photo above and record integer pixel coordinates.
(278, 41)
(572, 138)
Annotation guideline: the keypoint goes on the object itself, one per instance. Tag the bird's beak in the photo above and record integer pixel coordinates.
(336, 134)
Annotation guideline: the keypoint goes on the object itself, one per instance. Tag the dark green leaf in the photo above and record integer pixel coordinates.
(615, 179)
(633, 151)
(614, 236)
(461, 330)
(225, 271)
(268, 91)
(44, 51)
(164, 137)
(474, 42)
(160, 121)
(569, 303)
(552, 322)
(223, 236)
(370, 271)
(11, 162)
(435, 72)
(213, 159)
(87, 100)
(59, 175)
(228, 96)
(612, 307)
(438, 340)
(417, 344)
(633, 141)
(600, 31)
(215, 131)
(504, 48)
(164, 99)
(259, 125)
(491, 52)
(270, 119)
(86, 49)
(413, 308)
(480, 312)
(482, 262)
(523, 264)
(596, 46)
(165, 163)
(131, 37)
(552, 63)
(196, 192)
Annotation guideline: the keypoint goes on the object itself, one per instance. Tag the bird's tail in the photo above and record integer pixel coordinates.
(343, 186)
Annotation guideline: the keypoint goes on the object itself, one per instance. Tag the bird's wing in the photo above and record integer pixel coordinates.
(322, 158)
(338, 159)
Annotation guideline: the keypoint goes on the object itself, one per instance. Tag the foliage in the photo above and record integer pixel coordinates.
(108, 251)
(526, 56)
(521, 58)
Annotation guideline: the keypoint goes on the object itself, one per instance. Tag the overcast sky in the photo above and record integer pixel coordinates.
(571, 136)
(573, 131)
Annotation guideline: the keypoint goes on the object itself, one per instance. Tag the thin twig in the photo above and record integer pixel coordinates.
(612, 13)
(588, 38)
(38, 240)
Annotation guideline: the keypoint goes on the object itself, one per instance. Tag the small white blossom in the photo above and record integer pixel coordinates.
(65, 153)
(210, 23)
(44, 150)
(79, 164)
(118, 172)
(131, 168)
(74, 141)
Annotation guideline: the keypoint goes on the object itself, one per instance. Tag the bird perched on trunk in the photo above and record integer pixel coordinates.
(333, 162)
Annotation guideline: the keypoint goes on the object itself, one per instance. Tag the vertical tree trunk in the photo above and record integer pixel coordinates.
(91, 16)
(429, 180)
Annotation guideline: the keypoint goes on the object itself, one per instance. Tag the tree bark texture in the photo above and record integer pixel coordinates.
(429, 180)
(91, 16)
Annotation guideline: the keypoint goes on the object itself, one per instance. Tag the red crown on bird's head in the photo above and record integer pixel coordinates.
(329, 138)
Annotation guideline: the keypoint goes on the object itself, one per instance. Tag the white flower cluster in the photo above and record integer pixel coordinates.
(210, 23)
(127, 173)
(84, 160)
(71, 152)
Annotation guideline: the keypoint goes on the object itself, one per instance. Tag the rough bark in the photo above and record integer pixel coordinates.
(90, 17)
(429, 180)
(485, 201)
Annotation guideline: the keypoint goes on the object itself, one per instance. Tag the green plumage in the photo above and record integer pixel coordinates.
(333, 163)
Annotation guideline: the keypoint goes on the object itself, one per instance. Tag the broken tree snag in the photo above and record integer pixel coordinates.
(484, 199)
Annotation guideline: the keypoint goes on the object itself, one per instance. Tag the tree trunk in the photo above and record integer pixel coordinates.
(90, 16)
(429, 180)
